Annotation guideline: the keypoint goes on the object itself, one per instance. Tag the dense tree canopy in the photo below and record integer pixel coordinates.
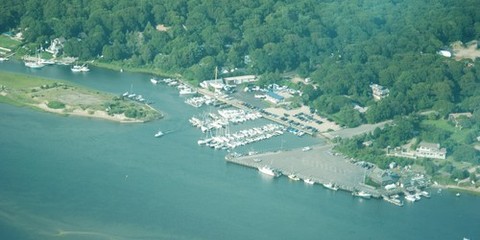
(344, 46)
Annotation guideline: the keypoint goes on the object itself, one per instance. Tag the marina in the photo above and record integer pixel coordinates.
(167, 185)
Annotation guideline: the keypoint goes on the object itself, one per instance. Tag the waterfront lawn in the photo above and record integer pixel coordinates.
(458, 135)
(9, 43)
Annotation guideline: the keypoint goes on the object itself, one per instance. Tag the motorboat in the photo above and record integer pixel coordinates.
(159, 134)
(293, 177)
(331, 186)
(309, 181)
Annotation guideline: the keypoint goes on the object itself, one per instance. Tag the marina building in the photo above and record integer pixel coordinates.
(273, 97)
(240, 79)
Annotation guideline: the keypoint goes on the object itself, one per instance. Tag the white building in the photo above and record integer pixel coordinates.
(240, 79)
(379, 92)
(430, 150)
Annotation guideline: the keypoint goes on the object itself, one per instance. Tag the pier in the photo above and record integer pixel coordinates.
(318, 163)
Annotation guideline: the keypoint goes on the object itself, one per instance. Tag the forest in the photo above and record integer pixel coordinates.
(342, 46)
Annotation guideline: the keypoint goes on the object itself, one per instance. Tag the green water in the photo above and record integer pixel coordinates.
(80, 178)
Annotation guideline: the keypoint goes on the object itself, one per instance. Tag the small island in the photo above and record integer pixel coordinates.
(65, 98)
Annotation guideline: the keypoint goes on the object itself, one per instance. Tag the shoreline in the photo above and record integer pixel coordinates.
(470, 190)
(85, 113)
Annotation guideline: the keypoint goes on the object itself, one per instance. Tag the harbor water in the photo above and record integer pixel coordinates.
(81, 178)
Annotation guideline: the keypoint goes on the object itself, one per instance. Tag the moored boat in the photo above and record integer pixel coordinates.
(410, 198)
(78, 68)
(362, 194)
(331, 186)
(268, 171)
(293, 177)
(34, 64)
(309, 181)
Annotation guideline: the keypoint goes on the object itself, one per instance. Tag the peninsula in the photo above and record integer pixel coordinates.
(65, 98)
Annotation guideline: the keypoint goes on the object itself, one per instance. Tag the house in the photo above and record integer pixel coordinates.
(379, 92)
(56, 46)
(240, 79)
(430, 150)
(273, 97)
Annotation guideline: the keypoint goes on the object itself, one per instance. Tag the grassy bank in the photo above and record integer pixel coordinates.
(65, 98)
(119, 66)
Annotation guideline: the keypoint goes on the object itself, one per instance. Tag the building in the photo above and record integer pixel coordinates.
(379, 92)
(430, 150)
(383, 177)
(216, 84)
(240, 79)
(56, 46)
(273, 97)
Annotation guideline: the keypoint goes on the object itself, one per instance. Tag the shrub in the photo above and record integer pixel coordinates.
(56, 105)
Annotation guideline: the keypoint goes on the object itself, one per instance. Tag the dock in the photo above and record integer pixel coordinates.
(240, 105)
(319, 163)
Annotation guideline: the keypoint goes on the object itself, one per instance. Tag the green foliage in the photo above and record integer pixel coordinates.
(56, 105)
(343, 46)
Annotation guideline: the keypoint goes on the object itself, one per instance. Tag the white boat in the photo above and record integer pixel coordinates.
(306, 149)
(159, 134)
(362, 194)
(187, 91)
(425, 194)
(410, 198)
(3, 59)
(331, 186)
(293, 177)
(78, 68)
(153, 81)
(309, 181)
(393, 200)
(268, 171)
(34, 64)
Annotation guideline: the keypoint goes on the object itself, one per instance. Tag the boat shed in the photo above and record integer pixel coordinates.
(240, 79)
(273, 97)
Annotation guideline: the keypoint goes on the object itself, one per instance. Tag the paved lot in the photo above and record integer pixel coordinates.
(318, 164)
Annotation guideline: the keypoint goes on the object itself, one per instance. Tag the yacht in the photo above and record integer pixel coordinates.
(159, 134)
(309, 181)
(362, 194)
(78, 68)
(293, 177)
(331, 186)
(268, 171)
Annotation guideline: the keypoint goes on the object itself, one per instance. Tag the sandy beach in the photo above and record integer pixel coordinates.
(69, 110)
